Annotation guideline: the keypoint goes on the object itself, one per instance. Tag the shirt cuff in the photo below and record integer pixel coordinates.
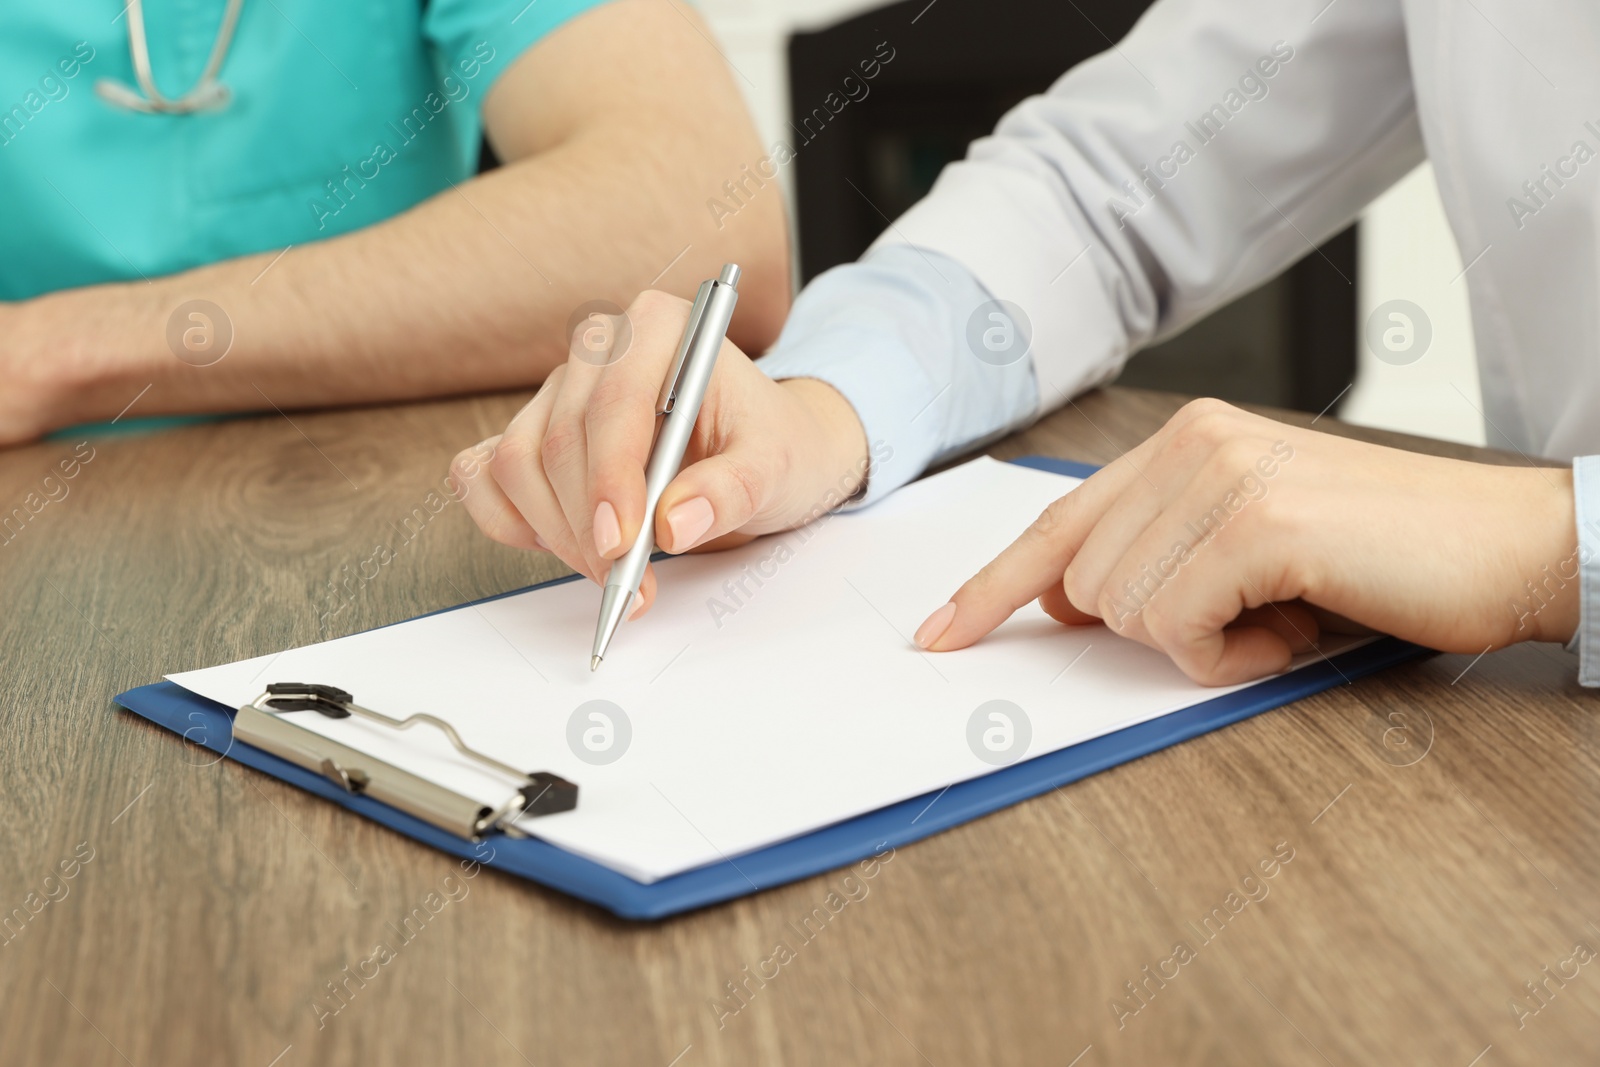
(1586, 499)
(890, 333)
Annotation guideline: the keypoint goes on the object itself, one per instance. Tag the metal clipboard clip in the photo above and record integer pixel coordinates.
(262, 723)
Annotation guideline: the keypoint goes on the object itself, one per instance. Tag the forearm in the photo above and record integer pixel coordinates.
(471, 290)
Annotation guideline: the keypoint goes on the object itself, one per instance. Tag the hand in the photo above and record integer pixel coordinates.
(1216, 541)
(568, 473)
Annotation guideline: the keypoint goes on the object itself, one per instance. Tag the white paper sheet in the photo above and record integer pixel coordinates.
(771, 690)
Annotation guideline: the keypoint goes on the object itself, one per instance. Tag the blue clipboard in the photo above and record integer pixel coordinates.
(210, 724)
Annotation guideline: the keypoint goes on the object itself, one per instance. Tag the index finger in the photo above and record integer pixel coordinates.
(1036, 562)
(1032, 565)
(620, 422)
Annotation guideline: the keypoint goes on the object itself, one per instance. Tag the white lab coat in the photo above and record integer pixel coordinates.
(1292, 115)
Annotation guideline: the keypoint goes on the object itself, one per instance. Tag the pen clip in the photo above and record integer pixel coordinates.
(669, 387)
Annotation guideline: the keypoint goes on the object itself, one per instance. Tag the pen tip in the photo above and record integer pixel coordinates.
(594, 663)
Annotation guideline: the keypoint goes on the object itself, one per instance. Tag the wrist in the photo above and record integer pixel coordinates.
(88, 351)
(1552, 589)
(39, 369)
(836, 441)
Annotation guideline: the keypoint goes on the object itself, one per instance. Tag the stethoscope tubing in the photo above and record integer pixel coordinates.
(206, 94)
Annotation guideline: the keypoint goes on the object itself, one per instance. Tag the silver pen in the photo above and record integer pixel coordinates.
(681, 395)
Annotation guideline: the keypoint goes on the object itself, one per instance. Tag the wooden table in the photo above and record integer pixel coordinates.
(1443, 820)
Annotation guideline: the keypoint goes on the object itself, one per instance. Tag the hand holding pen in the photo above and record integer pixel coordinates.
(682, 392)
(568, 476)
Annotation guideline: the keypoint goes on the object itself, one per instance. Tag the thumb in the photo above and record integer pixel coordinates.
(708, 500)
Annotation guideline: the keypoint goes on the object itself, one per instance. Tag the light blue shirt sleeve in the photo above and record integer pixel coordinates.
(932, 365)
(1586, 496)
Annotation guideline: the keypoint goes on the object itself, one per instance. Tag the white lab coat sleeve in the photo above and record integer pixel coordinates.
(1208, 150)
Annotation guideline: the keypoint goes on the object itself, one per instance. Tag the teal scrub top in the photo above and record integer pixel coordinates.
(343, 113)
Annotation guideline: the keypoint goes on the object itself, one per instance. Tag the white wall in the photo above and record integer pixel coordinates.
(1407, 251)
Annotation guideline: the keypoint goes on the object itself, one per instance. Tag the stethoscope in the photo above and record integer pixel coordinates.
(207, 94)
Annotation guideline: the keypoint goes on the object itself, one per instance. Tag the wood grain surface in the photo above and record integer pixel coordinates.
(1432, 831)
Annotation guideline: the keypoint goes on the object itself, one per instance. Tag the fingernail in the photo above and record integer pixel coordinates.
(935, 626)
(689, 522)
(539, 543)
(637, 608)
(607, 531)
